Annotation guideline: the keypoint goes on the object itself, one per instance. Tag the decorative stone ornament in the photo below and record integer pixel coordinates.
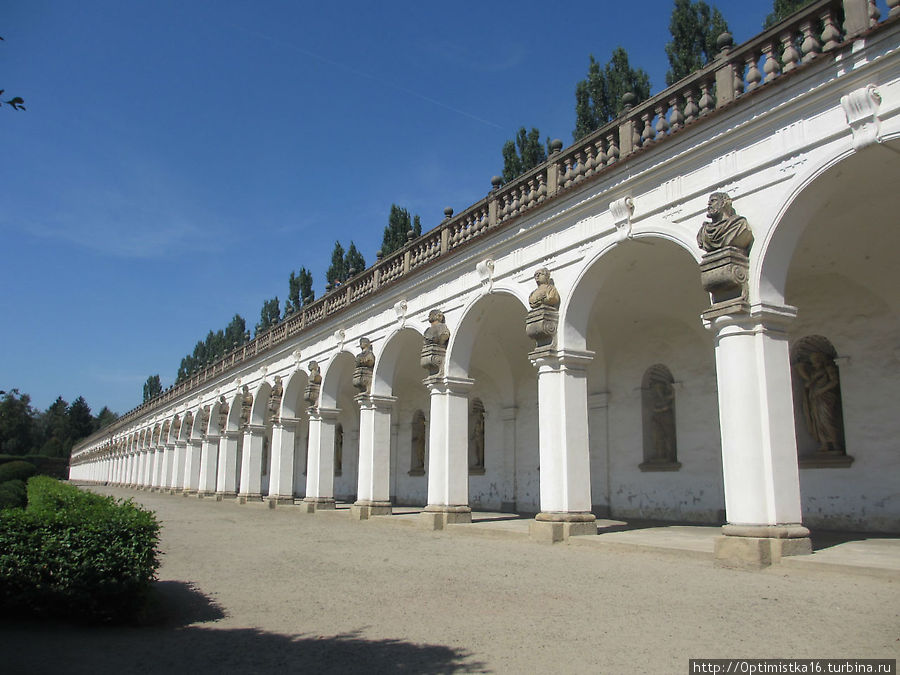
(204, 419)
(622, 210)
(485, 271)
(223, 414)
(313, 385)
(542, 321)
(275, 399)
(861, 108)
(400, 309)
(246, 405)
(365, 365)
(434, 350)
(724, 270)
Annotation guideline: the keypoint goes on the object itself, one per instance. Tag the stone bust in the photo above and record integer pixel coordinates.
(437, 333)
(724, 227)
(246, 404)
(545, 296)
(365, 358)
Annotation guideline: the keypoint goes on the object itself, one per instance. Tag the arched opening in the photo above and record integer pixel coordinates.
(491, 348)
(637, 308)
(832, 257)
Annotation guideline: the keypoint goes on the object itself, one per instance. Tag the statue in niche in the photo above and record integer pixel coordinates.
(176, 426)
(658, 402)
(814, 364)
(204, 419)
(724, 227)
(476, 437)
(311, 396)
(338, 449)
(223, 414)
(545, 296)
(246, 405)
(417, 445)
(365, 364)
(434, 350)
(275, 399)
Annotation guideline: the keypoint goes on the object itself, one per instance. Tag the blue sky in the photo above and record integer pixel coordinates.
(178, 159)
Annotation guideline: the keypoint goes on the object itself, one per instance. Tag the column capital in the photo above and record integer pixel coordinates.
(327, 414)
(763, 317)
(254, 428)
(286, 423)
(449, 385)
(232, 433)
(560, 359)
(375, 402)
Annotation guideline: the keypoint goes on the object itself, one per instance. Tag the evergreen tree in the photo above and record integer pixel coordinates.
(397, 229)
(598, 98)
(235, 332)
(353, 261)
(694, 27)
(152, 387)
(336, 272)
(106, 416)
(53, 423)
(80, 422)
(269, 315)
(17, 423)
(782, 9)
(523, 153)
(299, 290)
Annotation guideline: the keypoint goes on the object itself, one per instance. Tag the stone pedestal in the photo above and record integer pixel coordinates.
(313, 504)
(432, 359)
(756, 547)
(436, 516)
(363, 510)
(541, 324)
(724, 275)
(550, 528)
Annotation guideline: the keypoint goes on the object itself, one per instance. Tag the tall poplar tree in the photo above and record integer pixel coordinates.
(782, 9)
(336, 272)
(598, 97)
(299, 290)
(397, 229)
(152, 387)
(269, 315)
(353, 261)
(523, 153)
(695, 27)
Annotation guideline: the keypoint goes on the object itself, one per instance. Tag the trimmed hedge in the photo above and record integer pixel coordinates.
(12, 494)
(76, 555)
(17, 470)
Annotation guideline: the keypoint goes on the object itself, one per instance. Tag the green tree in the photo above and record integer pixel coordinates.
(106, 416)
(17, 422)
(269, 315)
(598, 97)
(235, 332)
(80, 422)
(782, 9)
(15, 102)
(523, 153)
(300, 290)
(397, 229)
(337, 271)
(694, 27)
(152, 387)
(353, 261)
(53, 425)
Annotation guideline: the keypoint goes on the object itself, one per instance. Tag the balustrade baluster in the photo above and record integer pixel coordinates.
(591, 161)
(676, 117)
(601, 158)
(532, 193)
(612, 149)
(662, 125)
(754, 77)
(647, 133)
(580, 168)
(831, 34)
(790, 57)
(567, 174)
(542, 188)
(706, 99)
(874, 13)
(810, 46)
(770, 67)
(690, 108)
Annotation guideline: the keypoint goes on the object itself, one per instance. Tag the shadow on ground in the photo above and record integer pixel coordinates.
(169, 639)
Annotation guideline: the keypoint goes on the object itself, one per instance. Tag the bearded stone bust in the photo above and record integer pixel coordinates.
(724, 227)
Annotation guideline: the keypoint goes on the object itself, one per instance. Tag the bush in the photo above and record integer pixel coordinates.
(18, 470)
(77, 555)
(12, 494)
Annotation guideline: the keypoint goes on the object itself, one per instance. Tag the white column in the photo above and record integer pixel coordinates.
(192, 465)
(133, 469)
(156, 481)
(320, 459)
(373, 493)
(448, 459)
(509, 497)
(759, 447)
(281, 476)
(209, 454)
(145, 468)
(227, 468)
(563, 441)
(598, 412)
(178, 466)
(168, 467)
(251, 463)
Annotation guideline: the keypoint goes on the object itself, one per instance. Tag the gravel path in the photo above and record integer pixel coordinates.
(244, 589)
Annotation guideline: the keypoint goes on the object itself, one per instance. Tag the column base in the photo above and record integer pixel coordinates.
(276, 500)
(313, 504)
(222, 496)
(757, 546)
(203, 494)
(556, 527)
(249, 497)
(437, 516)
(189, 493)
(364, 509)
